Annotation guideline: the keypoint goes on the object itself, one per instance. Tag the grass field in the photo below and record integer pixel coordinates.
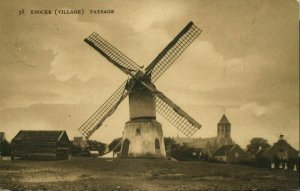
(140, 174)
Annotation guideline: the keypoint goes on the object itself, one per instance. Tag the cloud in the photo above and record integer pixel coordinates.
(149, 14)
(258, 110)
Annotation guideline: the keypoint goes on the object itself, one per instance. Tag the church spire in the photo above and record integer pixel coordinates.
(223, 120)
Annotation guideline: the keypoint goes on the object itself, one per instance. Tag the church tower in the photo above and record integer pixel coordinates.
(224, 127)
(224, 130)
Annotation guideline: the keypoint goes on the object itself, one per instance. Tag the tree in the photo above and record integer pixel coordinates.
(101, 147)
(257, 143)
(169, 142)
(96, 145)
(179, 152)
(114, 143)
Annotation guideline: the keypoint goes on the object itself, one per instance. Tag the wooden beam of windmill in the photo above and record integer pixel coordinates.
(125, 64)
(107, 109)
(173, 113)
(172, 51)
(112, 54)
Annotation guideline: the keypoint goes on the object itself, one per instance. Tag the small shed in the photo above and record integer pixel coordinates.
(41, 145)
(230, 154)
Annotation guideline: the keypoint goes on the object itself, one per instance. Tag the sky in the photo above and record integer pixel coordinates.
(245, 63)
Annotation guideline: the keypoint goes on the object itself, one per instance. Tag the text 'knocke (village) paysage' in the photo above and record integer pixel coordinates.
(65, 11)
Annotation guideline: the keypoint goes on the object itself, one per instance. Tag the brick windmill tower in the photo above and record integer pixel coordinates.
(143, 135)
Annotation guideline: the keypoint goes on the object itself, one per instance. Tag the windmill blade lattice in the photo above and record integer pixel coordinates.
(95, 121)
(112, 54)
(174, 49)
(176, 116)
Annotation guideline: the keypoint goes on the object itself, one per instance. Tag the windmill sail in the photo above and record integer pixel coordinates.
(175, 115)
(95, 121)
(172, 51)
(112, 54)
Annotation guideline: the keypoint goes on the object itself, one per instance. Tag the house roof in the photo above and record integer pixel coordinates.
(183, 140)
(51, 136)
(211, 140)
(195, 142)
(198, 144)
(1, 136)
(201, 143)
(280, 142)
(223, 120)
(224, 149)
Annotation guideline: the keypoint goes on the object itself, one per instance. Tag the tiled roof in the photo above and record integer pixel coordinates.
(51, 136)
(279, 143)
(201, 143)
(184, 140)
(224, 149)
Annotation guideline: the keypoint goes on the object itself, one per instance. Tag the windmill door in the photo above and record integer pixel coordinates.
(157, 146)
(125, 148)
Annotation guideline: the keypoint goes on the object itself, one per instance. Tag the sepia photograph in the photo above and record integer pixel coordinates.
(148, 95)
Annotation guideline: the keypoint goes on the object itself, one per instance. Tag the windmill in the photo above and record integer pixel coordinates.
(143, 135)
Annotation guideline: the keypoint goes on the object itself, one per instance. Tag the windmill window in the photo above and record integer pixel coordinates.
(157, 146)
(138, 131)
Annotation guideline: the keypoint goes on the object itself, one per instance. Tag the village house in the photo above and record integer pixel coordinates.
(41, 145)
(281, 154)
(203, 147)
(230, 154)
